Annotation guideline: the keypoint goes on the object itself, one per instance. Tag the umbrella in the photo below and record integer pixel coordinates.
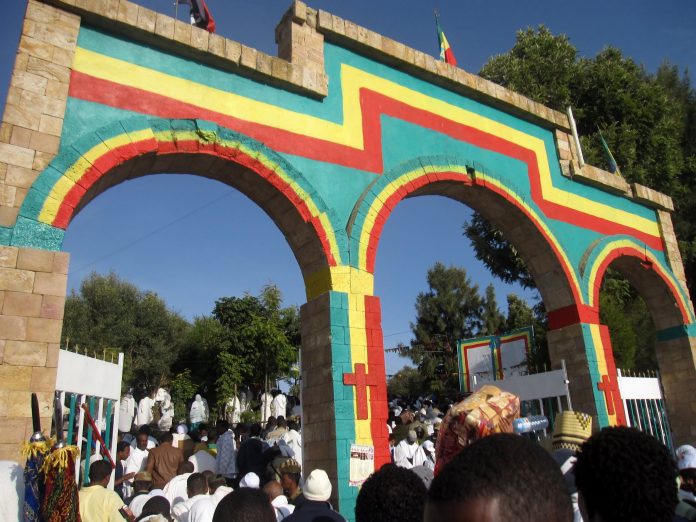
(35, 452)
(61, 500)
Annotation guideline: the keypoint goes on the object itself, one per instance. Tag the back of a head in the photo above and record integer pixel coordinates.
(623, 474)
(391, 494)
(273, 489)
(245, 505)
(255, 430)
(98, 471)
(215, 482)
(157, 505)
(185, 467)
(196, 484)
(505, 475)
(167, 437)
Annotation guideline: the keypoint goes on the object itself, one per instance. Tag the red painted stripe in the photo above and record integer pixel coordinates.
(612, 375)
(633, 252)
(373, 105)
(378, 394)
(572, 314)
(119, 155)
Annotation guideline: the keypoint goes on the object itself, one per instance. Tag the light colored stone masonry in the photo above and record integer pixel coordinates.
(32, 297)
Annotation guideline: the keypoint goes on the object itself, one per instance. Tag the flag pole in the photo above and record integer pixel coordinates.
(176, 9)
(576, 138)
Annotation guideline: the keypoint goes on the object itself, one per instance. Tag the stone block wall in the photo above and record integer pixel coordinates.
(33, 118)
(32, 300)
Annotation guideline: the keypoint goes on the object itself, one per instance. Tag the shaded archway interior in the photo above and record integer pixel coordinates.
(518, 229)
(660, 301)
(300, 235)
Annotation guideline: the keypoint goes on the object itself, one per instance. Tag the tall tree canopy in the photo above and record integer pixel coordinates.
(649, 122)
(110, 314)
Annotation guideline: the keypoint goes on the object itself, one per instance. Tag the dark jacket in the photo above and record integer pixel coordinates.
(251, 457)
(314, 511)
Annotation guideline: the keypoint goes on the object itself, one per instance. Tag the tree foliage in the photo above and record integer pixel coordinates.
(245, 342)
(649, 122)
(111, 314)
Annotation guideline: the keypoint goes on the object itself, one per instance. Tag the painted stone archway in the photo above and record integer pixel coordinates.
(327, 138)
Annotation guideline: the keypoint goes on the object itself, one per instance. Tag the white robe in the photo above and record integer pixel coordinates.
(199, 410)
(266, 399)
(294, 440)
(126, 412)
(279, 406)
(145, 411)
(406, 455)
(233, 410)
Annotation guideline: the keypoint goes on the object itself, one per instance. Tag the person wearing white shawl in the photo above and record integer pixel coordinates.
(144, 415)
(198, 412)
(406, 454)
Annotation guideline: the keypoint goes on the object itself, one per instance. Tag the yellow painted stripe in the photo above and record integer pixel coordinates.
(349, 132)
(601, 363)
(358, 354)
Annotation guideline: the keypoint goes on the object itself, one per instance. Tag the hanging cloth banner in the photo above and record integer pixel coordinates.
(492, 358)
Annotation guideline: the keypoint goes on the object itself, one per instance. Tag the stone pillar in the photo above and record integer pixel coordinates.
(32, 298)
(677, 360)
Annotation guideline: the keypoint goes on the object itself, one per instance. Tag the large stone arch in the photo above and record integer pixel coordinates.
(128, 149)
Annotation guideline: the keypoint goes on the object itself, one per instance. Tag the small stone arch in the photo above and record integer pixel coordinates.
(466, 181)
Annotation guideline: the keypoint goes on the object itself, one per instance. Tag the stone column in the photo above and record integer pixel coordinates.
(32, 298)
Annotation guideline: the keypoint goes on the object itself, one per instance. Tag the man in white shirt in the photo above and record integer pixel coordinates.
(294, 440)
(176, 490)
(202, 460)
(136, 461)
(204, 509)
(144, 415)
(197, 489)
(279, 501)
(406, 452)
(279, 404)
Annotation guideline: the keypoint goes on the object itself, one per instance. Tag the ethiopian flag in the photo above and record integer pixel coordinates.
(613, 166)
(446, 53)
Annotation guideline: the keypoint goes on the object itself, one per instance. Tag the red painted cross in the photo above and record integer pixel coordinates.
(608, 386)
(361, 381)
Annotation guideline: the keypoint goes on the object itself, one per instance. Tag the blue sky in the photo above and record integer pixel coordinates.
(193, 240)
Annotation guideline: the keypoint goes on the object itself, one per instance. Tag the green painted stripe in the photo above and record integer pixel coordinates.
(677, 332)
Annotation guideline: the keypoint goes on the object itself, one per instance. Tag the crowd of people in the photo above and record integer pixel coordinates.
(250, 472)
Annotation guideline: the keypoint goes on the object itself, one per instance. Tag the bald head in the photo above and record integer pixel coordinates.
(273, 489)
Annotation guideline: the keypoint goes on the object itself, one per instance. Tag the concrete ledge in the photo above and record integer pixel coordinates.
(652, 198)
(600, 178)
(391, 52)
(144, 25)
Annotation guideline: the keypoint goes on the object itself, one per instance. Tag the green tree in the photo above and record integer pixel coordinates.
(182, 390)
(261, 340)
(450, 310)
(111, 314)
(407, 382)
(493, 320)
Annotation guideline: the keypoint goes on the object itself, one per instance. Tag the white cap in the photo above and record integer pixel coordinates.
(428, 444)
(686, 457)
(250, 480)
(317, 486)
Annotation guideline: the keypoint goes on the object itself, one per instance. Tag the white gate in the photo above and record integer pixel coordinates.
(83, 380)
(644, 405)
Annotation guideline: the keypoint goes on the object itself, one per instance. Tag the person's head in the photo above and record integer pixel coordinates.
(317, 486)
(289, 472)
(99, 473)
(157, 505)
(412, 436)
(184, 467)
(271, 422)
(245, 505)
(281, 422)
(215, 482)
(293, 425)
(141, 440)
(250, 480)
(686, 463)
(273, 489)
(392, 440)
(123, 450)
(167, 438)
(391, 494)
(497, 478)
(624, 474)
(222, 426)
(255, 430)
(142, 481)
(196, 485)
